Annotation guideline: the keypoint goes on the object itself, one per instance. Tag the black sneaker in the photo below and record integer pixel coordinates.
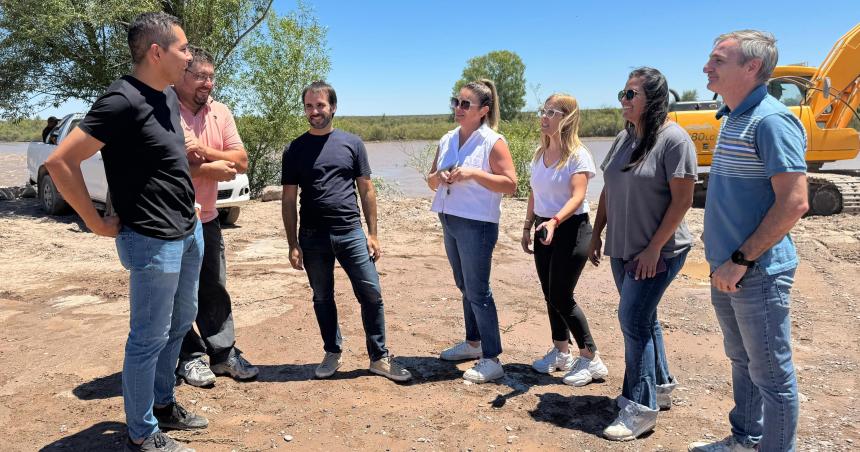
(158, 441)
(175, 417)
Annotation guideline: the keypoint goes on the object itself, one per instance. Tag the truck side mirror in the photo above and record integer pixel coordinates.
(826, 87)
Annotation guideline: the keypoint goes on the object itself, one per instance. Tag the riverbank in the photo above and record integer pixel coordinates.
(64, 318)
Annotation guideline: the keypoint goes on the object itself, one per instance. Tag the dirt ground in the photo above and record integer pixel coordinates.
(63, 324)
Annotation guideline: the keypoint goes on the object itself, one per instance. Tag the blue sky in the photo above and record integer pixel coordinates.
(403, 57)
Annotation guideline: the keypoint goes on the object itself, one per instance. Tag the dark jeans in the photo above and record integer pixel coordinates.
(214, 312)
(644, 353)
(559, 265)
(320, 248)
(469, 245)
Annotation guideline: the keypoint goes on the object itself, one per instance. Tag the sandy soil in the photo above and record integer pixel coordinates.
(63, 323)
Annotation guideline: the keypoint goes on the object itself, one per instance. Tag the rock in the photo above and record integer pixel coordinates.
(29, 191)
(271, 193)
(288, 438)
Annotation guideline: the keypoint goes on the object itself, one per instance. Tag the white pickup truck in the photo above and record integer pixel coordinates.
(231, 195)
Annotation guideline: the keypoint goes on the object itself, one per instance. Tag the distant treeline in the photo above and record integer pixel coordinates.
(601, 122)
(24, 130)
(598, 122)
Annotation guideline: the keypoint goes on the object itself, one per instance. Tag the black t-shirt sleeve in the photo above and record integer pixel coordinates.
(108, 118)
(289, 167)
(362, 165)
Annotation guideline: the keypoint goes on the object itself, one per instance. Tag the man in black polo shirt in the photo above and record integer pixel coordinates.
(328, 164)
(158, 238)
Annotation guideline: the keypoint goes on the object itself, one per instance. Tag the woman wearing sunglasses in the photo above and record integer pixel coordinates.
(649, 175)
(473, 168)
(557, 207)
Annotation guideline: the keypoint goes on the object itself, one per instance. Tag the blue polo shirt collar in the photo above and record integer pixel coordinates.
(752, 99)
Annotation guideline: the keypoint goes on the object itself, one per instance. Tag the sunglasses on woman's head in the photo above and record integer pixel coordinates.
(465, 104)
(628, 94)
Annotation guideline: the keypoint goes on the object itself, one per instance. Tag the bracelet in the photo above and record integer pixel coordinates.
(527, 229)
(557, 221)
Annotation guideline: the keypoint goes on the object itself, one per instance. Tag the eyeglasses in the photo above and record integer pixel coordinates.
(549, 112)
(465, 104)
(627, 94)
(201, 77)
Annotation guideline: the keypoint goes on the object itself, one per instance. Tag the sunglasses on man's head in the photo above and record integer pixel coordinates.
(628, 94)
(465, 104)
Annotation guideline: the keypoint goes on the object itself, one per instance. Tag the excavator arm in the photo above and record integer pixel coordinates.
(835, 94)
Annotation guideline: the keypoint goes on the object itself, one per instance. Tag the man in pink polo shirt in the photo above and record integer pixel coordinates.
(216, 154)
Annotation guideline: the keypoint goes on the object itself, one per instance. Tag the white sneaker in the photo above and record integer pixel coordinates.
(727, 444)
(664, 395)
(585, 370)
(460, 352)
(631, 422)
(485, 370)
(329, 365)
(552, 361)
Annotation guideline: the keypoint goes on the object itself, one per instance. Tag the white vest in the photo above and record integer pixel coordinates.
(468, 199)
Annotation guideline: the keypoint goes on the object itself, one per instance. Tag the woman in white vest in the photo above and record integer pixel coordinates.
(558, 209)
(473, 168)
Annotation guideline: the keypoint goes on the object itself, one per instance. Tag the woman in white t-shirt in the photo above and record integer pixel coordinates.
(558, 209)
(473, 168)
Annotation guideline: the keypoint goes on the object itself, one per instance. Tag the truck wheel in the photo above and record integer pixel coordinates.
(229, 216)
(51, 199)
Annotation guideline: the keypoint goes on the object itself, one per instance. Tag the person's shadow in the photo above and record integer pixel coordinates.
(106, 435)
(586, 413)
(100, 388)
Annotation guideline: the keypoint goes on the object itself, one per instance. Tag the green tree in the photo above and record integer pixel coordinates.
(52, 51)
(280, 61)
(506, 70)
(689, 95)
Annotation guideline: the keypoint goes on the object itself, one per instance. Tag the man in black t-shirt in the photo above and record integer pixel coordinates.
(158, 238)
(328, 164)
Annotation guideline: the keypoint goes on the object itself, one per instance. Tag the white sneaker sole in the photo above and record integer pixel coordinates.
(482, 380)
(398, 378)
(460, 357)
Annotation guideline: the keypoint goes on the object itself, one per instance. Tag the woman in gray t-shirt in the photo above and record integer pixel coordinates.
(649, 176)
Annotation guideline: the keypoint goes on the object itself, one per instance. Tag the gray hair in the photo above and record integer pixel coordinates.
(755, 44)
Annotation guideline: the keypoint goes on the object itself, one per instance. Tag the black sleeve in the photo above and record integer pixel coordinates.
(362, 165)
(289, 175)
(108, 118)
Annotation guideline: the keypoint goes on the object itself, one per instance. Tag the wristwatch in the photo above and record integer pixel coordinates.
(739, 258)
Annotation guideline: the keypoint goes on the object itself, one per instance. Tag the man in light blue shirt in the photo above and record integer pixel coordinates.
(756, 193)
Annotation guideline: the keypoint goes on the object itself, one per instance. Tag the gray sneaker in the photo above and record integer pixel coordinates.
(175, 417)
(196, 373)
(328, 366)
(391, 369)
(156, 442)
(236, 367)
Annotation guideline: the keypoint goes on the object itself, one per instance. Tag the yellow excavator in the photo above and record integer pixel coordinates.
(826, 100)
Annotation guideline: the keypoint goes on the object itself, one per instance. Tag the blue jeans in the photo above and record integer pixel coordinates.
(644, 353)
(757, 338)
(469, 245)
(320, 248)
(163, 303)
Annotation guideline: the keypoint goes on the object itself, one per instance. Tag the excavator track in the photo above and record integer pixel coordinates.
(832, 193)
